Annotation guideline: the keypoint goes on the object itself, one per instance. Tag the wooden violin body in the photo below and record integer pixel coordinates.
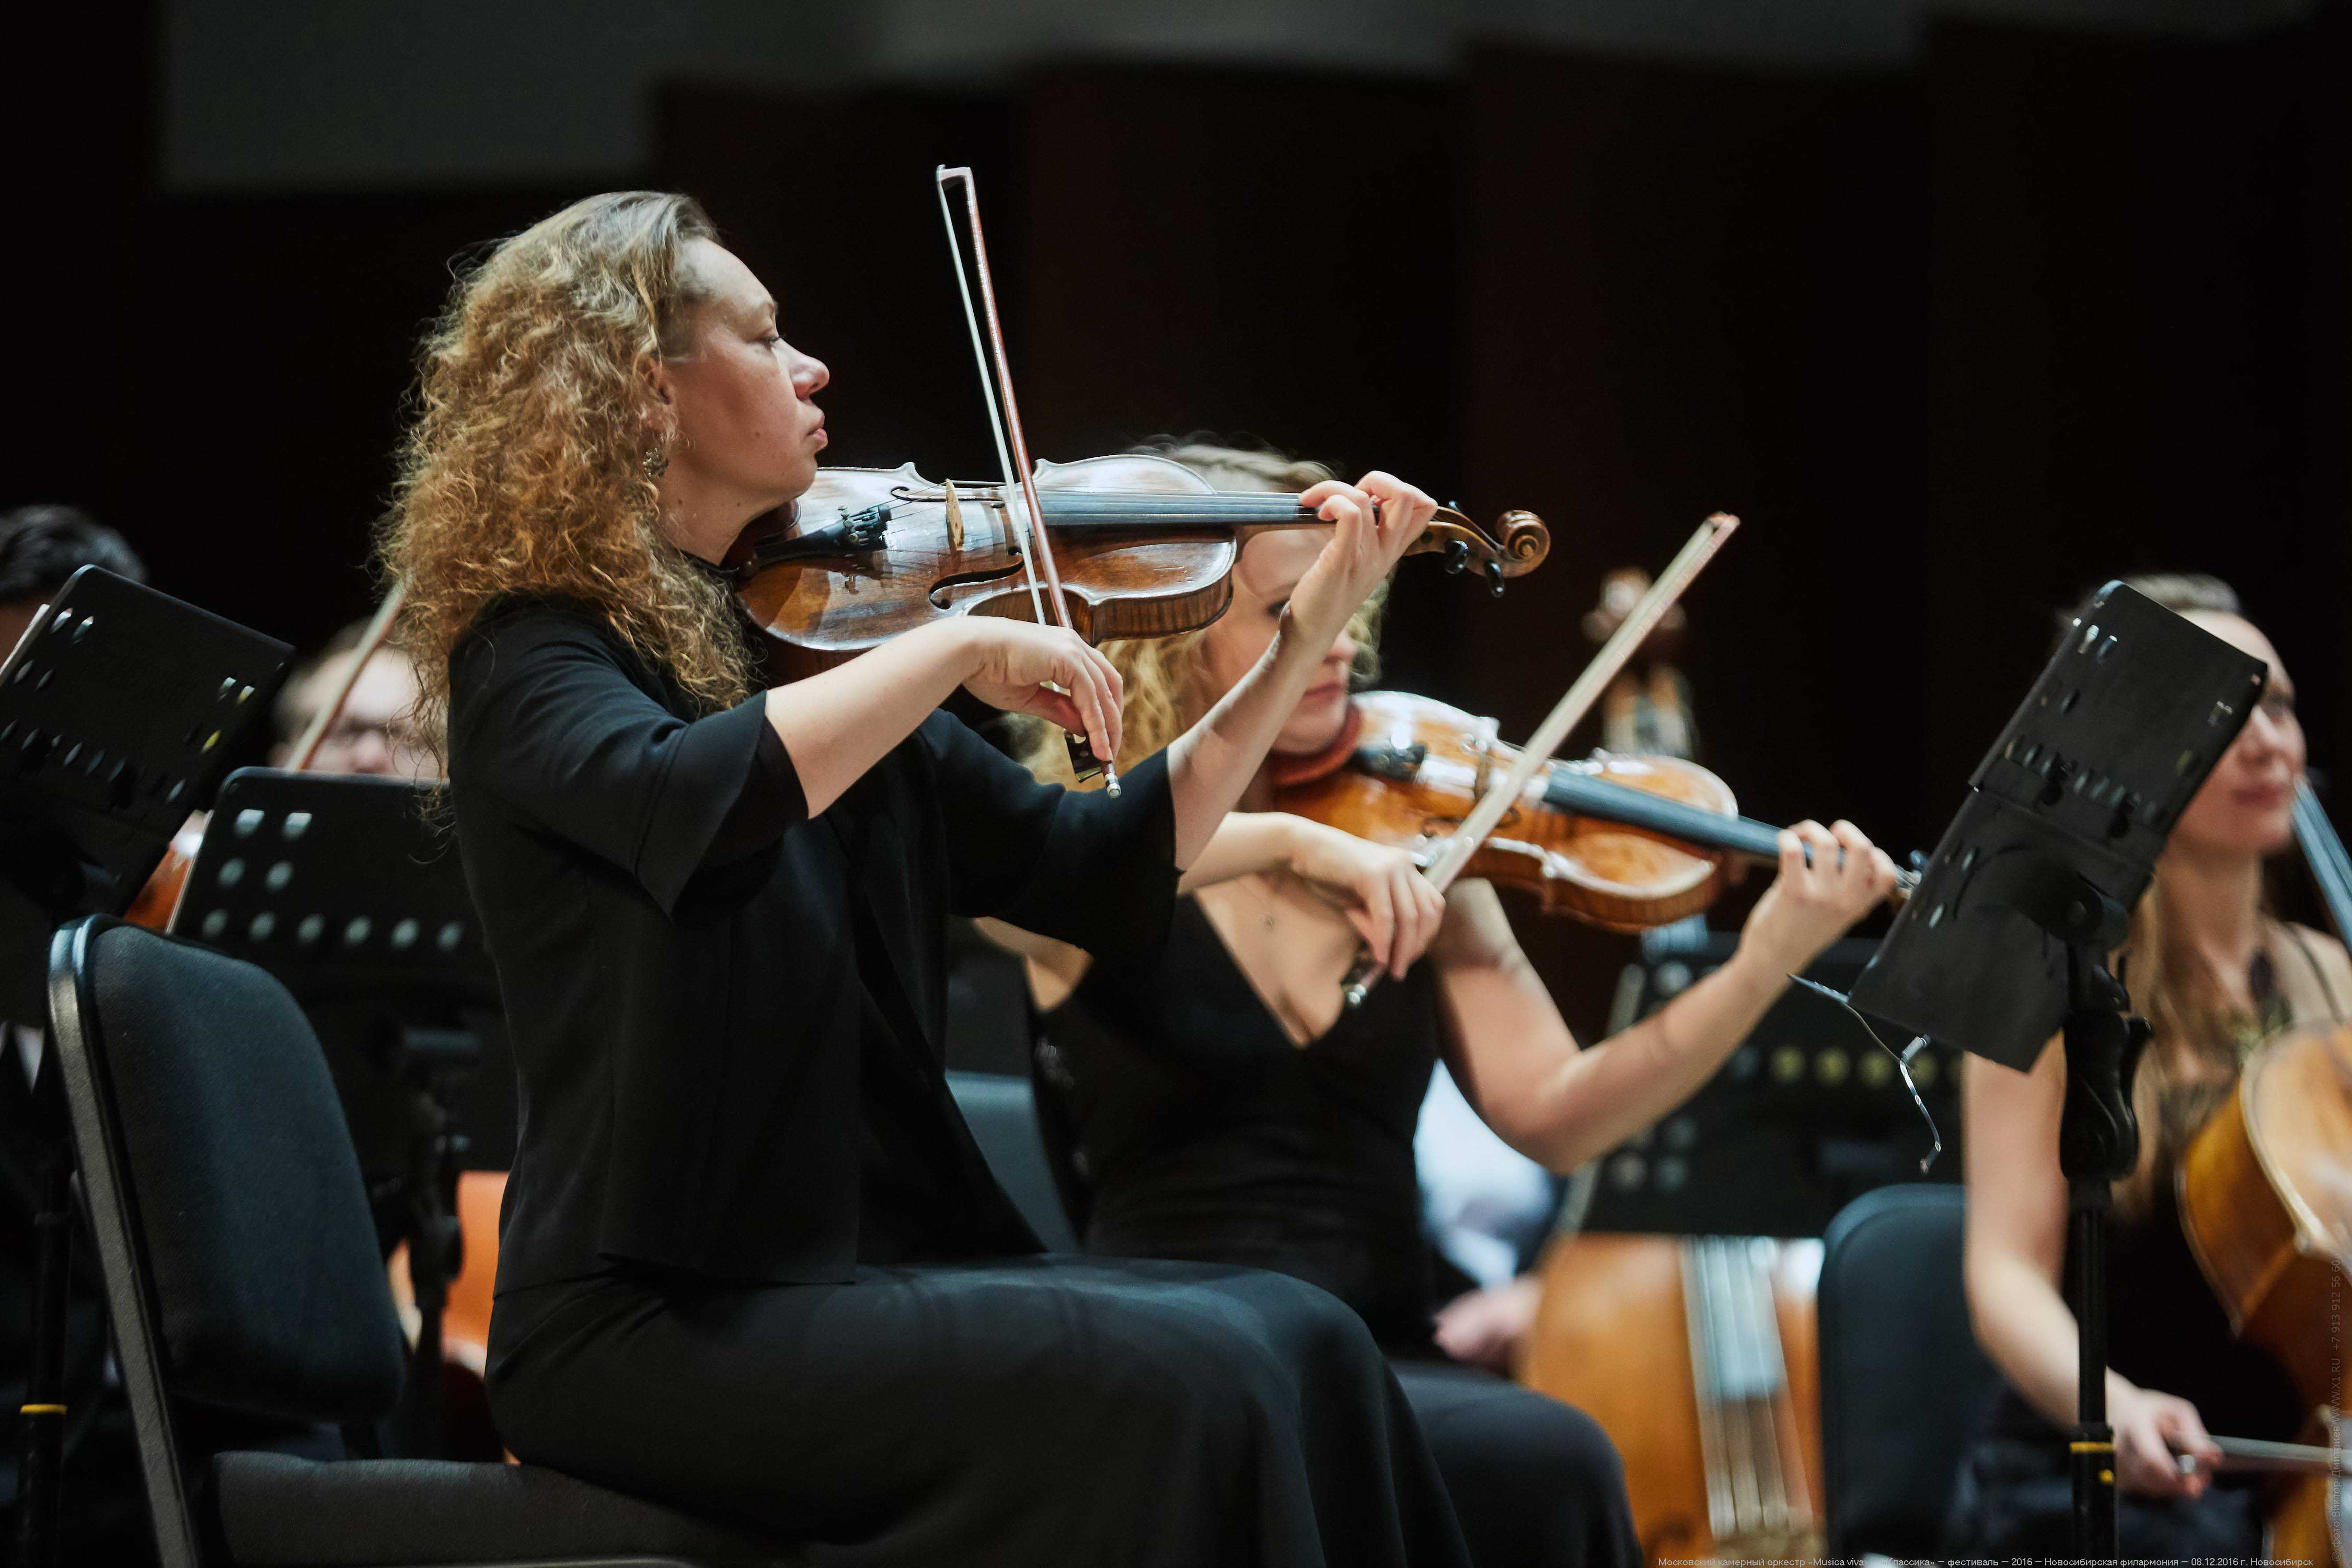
(1625, 843)
(1144, 547)
(2266, 1200)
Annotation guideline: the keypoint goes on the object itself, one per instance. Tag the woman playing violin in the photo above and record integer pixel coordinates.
(752, 1262)
(2214, 974)
(1227, 1110)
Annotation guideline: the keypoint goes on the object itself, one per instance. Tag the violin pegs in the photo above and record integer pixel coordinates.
(1495, 578)
(1457, 557)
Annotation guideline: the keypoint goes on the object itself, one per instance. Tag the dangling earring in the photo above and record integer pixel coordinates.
(655, 462)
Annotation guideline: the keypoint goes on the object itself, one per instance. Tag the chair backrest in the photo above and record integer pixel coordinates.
(233, 1233)
(1002, 1112)
(1903, 1382)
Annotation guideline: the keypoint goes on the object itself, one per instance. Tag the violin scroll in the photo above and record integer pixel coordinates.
(1517, 547)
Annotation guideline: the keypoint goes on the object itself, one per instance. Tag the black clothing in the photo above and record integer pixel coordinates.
(1203, 1134)
(1536, 1482)
(753, 1262)
(1020, 1411)
(686, 1022)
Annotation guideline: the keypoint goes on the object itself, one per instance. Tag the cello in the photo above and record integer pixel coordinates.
(2266, 1202)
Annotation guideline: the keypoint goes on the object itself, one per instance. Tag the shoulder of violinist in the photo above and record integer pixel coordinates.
(2315, 951)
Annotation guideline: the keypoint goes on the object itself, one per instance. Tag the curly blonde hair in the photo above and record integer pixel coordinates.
(524, 469)
(1167, 678)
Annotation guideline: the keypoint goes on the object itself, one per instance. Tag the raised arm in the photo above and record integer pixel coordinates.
(1517, 1064)
(838, 724)
(1211, 764)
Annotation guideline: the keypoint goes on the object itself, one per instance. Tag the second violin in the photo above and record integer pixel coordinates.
(1625, 843)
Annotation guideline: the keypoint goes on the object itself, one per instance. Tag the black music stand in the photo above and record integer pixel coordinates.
(2006, 939)
(345, 891)
(119, 709)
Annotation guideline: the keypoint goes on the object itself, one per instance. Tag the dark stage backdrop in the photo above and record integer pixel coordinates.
(1956, 342)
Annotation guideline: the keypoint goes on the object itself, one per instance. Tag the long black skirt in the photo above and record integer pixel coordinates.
(1063, 1410)
(1535, 1482)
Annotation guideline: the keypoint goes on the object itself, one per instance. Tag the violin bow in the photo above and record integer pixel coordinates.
(996, 385)
(378, 629)
(1455, 851)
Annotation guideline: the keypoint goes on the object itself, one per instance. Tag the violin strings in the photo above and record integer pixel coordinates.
(1902, 1063)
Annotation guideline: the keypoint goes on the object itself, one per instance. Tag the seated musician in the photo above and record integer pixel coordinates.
(752, 1262)
(368, 732)
(1227, 1110)
(2215, 973)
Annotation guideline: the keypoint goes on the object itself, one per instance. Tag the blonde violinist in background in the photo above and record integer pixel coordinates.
(1226, 1110)
(2215, 973)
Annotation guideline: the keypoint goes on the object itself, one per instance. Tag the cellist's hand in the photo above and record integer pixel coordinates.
(1366, 542)
(2151, 1430)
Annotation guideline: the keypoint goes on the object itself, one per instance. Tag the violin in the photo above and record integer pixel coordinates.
(2266, 1202)
(1143, 546)
(1625, 843)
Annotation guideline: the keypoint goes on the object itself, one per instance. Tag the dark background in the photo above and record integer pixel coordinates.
(1958, 334)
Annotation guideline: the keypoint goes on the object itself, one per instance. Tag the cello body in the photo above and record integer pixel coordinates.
(2266, 1201)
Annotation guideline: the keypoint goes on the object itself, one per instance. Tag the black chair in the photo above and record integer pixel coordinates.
(1902, 1383)
(1002, 1112)
(243, 1279)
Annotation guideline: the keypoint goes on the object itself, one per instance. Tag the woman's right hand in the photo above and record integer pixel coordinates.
(1016, 664)
(1381, 889)
(2152, 1430)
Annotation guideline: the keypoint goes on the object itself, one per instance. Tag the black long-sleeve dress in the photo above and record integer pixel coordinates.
(1202, 1133)
(752, 1261)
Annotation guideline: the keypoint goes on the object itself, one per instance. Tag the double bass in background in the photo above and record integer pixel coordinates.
(2266, 1200)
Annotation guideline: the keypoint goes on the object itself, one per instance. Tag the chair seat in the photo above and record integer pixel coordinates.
(279, 1512)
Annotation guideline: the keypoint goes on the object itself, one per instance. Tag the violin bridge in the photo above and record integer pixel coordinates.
(955, 518)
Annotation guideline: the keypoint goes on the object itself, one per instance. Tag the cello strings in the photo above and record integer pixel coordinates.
(1902, 1063)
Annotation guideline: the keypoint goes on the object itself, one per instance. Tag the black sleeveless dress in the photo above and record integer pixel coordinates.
(1190, 1128)
(2165, 1330)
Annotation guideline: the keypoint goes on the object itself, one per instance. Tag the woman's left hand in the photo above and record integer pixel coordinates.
(1830, 878)
(1367, 542)
(1380, 889)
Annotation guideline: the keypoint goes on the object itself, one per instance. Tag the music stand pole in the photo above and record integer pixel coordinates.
(2099, 1145)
